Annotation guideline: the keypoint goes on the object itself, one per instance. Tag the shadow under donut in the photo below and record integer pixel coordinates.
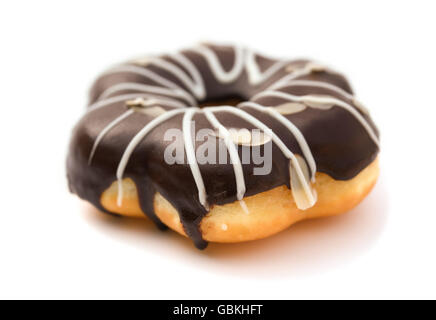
(308, 247)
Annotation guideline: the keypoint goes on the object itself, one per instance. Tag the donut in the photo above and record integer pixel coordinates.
(222, 144)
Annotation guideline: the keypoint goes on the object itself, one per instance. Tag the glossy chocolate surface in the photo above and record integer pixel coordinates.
(340, 145)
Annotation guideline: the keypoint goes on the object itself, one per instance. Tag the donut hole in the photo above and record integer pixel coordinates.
(233, 100)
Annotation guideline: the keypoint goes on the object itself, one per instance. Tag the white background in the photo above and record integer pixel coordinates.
(53, 245)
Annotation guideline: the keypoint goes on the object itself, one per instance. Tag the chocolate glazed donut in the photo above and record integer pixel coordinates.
(308, 111)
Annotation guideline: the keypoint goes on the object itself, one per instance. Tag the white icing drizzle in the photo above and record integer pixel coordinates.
(244, 206)
(244, 59)
(326, 85)
(220, 74)
(314, 83)
(308, 68)
(302, 199)
(233, 152)
(145, 73)
(296, 186)
(292, 128)
(196, 86)
(106, 130)
(255, 77)
(190, 155)
(176, 93)
(134, 142)
(322, 102)
(293, 75)
(164, 100)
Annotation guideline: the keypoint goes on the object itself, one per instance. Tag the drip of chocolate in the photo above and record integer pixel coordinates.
(125, 99)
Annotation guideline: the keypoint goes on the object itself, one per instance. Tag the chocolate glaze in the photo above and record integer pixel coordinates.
(340, 145)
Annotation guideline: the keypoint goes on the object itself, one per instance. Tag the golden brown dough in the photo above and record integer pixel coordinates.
(269, 212)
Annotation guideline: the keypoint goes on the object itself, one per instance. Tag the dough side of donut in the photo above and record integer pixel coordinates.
(269, 212)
